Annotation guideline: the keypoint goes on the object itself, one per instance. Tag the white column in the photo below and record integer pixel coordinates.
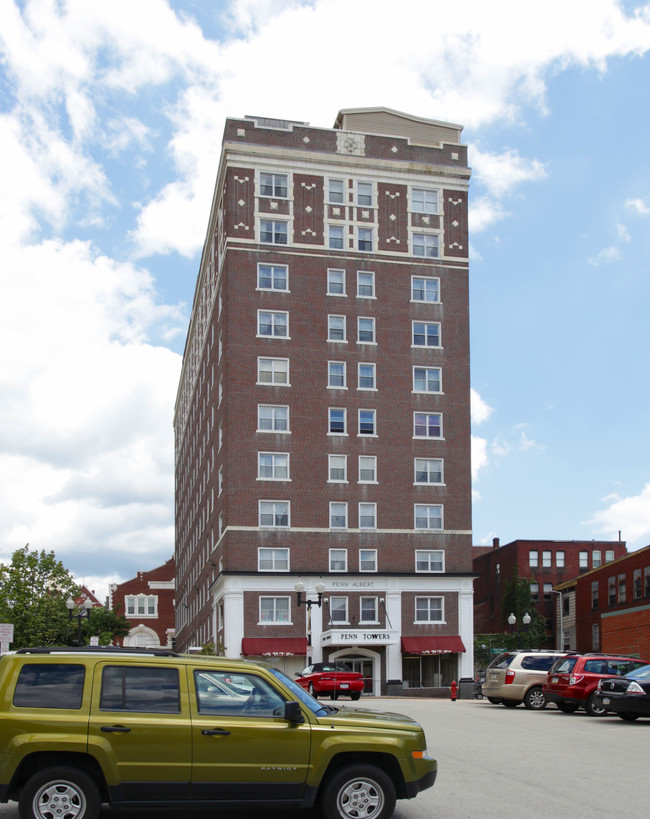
(466, 629)
(233, 615)
(317, 632)
(394, 622)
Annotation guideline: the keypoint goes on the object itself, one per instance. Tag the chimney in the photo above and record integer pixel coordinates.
(495, 542)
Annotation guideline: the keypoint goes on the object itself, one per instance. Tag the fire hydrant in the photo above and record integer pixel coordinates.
(454, 690)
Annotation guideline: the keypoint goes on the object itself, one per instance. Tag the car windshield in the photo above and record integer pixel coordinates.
(564, 665)
(300, 694)
(642, 673)
(502, 661)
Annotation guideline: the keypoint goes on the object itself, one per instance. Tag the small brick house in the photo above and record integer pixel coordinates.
(148, 603)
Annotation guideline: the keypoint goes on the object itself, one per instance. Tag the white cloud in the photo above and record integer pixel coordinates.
(622, 232)
(638, 205)
(480, 410)
(501, 172)
(479, 455)
(630, 516)
(606, 256)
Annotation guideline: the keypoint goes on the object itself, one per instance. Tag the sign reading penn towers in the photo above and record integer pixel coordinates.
(359, 637)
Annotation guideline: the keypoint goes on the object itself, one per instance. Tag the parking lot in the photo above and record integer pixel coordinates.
(503, 762)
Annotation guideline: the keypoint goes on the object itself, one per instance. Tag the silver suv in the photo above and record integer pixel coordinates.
(519, 676)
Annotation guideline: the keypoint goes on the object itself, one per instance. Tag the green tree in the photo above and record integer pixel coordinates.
(107, 624)
(516, 600)
(33, 589)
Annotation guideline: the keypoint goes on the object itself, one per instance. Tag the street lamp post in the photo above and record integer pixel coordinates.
(561, 635)
(84, 612)
(512, 621)
(320, 591)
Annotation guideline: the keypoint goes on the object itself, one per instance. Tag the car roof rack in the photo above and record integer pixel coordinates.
(132, 650)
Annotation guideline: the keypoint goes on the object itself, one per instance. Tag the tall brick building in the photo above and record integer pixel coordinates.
(322, 424)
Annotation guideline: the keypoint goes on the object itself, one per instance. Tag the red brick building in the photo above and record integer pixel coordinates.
(148, 603)
(322, 422)
(612, 605)
(545, 563)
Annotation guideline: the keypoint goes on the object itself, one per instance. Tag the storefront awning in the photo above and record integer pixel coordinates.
(432, 645)
(273, 646)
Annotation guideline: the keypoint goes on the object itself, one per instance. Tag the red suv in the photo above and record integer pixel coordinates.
(573, 679)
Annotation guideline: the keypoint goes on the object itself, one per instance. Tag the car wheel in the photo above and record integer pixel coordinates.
(628, 717)
(534, 698)
(594, 708)
(66, 792)
(310, 689)
(334, 695)
(511, 703)
(567, 707)
(355, 695)
(494, 700)
(357, 792)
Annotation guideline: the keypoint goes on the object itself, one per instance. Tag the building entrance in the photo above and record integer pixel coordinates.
(366, 664)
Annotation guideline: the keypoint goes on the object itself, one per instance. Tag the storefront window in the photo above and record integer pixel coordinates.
(430, 670)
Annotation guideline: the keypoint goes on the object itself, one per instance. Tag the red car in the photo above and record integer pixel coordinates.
(331, 678)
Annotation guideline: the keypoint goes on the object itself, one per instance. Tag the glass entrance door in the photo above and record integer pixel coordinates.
(365, 666)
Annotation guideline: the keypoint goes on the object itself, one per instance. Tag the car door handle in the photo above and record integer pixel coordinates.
(115, 729)
(215, 732)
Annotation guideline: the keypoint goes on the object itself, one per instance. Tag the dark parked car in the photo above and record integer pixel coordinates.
(629, 696)
(331, 678)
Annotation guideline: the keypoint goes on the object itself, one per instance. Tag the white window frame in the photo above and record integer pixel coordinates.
(278, 461)
(373, 367)
(367, 507)
(596, 559)
(274, 416)
(375, 609)
(331, 375)
(371, 285)
(275, 183)
(331, 281)
(344, 610)
(281, 618)
(421, 465)
(368, 192)
(429, 618)
(329, 420)
(426, 245)
(419, 513)
(365, 236)
(431, 557)
(427, 378)
(361, 459)
(274, 322)
(365, 556)
(332, 240)
(279, 236)
(428, 425)
(149, 601)
(263, 509)
(547, 559)
(426, 333)
(338, 555)
(533, 559)
(275, 370)
(332, 465)
(560, 559)
(276, 557)
(274, 272)
(334, 201)
(583, 559)
(372, 434)
(426, 280)
(372, 331)
(419, 204)
(335, 509)
(331, 326)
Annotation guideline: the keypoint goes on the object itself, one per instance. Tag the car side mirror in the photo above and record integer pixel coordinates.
(293, 712)
(298, 674)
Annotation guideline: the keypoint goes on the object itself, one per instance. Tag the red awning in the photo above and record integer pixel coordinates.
(273, 646)
(432, 645)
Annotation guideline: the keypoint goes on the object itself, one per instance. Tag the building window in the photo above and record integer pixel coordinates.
(428, 610)
(336, 374)
(338, 560)
(611, 591)
(367, 469)
(595, 637)
(141, 605)
(426, 334)
(272, 324)
(335, 190)
(336, 328)
(367, 516)
(547, 558)
(368, 610)
(274, 514)
(364, 239)
(428, 471)
(594, 594)
(646, 581)
(364, 194)
(366, 330)
(425, 289)
(339, 609)
(425, 244)
(337, 419)
(596, 558)
(427, 379)
(560, 559)
(272, 277)
(273, 466)
(428, 517)
(367, 380)
(338, 468)
(273, 371)
(622, 596)
(336, 282)
(274, 185)
(429, 560)
(534, 592)
(609, 556)
(272, 418)
(273, 560)
(367, 560)
(273, 232)
(427, 424)
(338, 515)
(548, 591)
(583, 560)
(365, 285)
(367, 422)
(335, 237)
(424, 200)
(274, 609)
(637, 585)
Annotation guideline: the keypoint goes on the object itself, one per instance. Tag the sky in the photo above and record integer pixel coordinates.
(111, 121)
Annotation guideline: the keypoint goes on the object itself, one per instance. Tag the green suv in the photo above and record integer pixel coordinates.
(79, 727)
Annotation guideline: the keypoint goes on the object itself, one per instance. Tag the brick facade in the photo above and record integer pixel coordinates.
(148, 603)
